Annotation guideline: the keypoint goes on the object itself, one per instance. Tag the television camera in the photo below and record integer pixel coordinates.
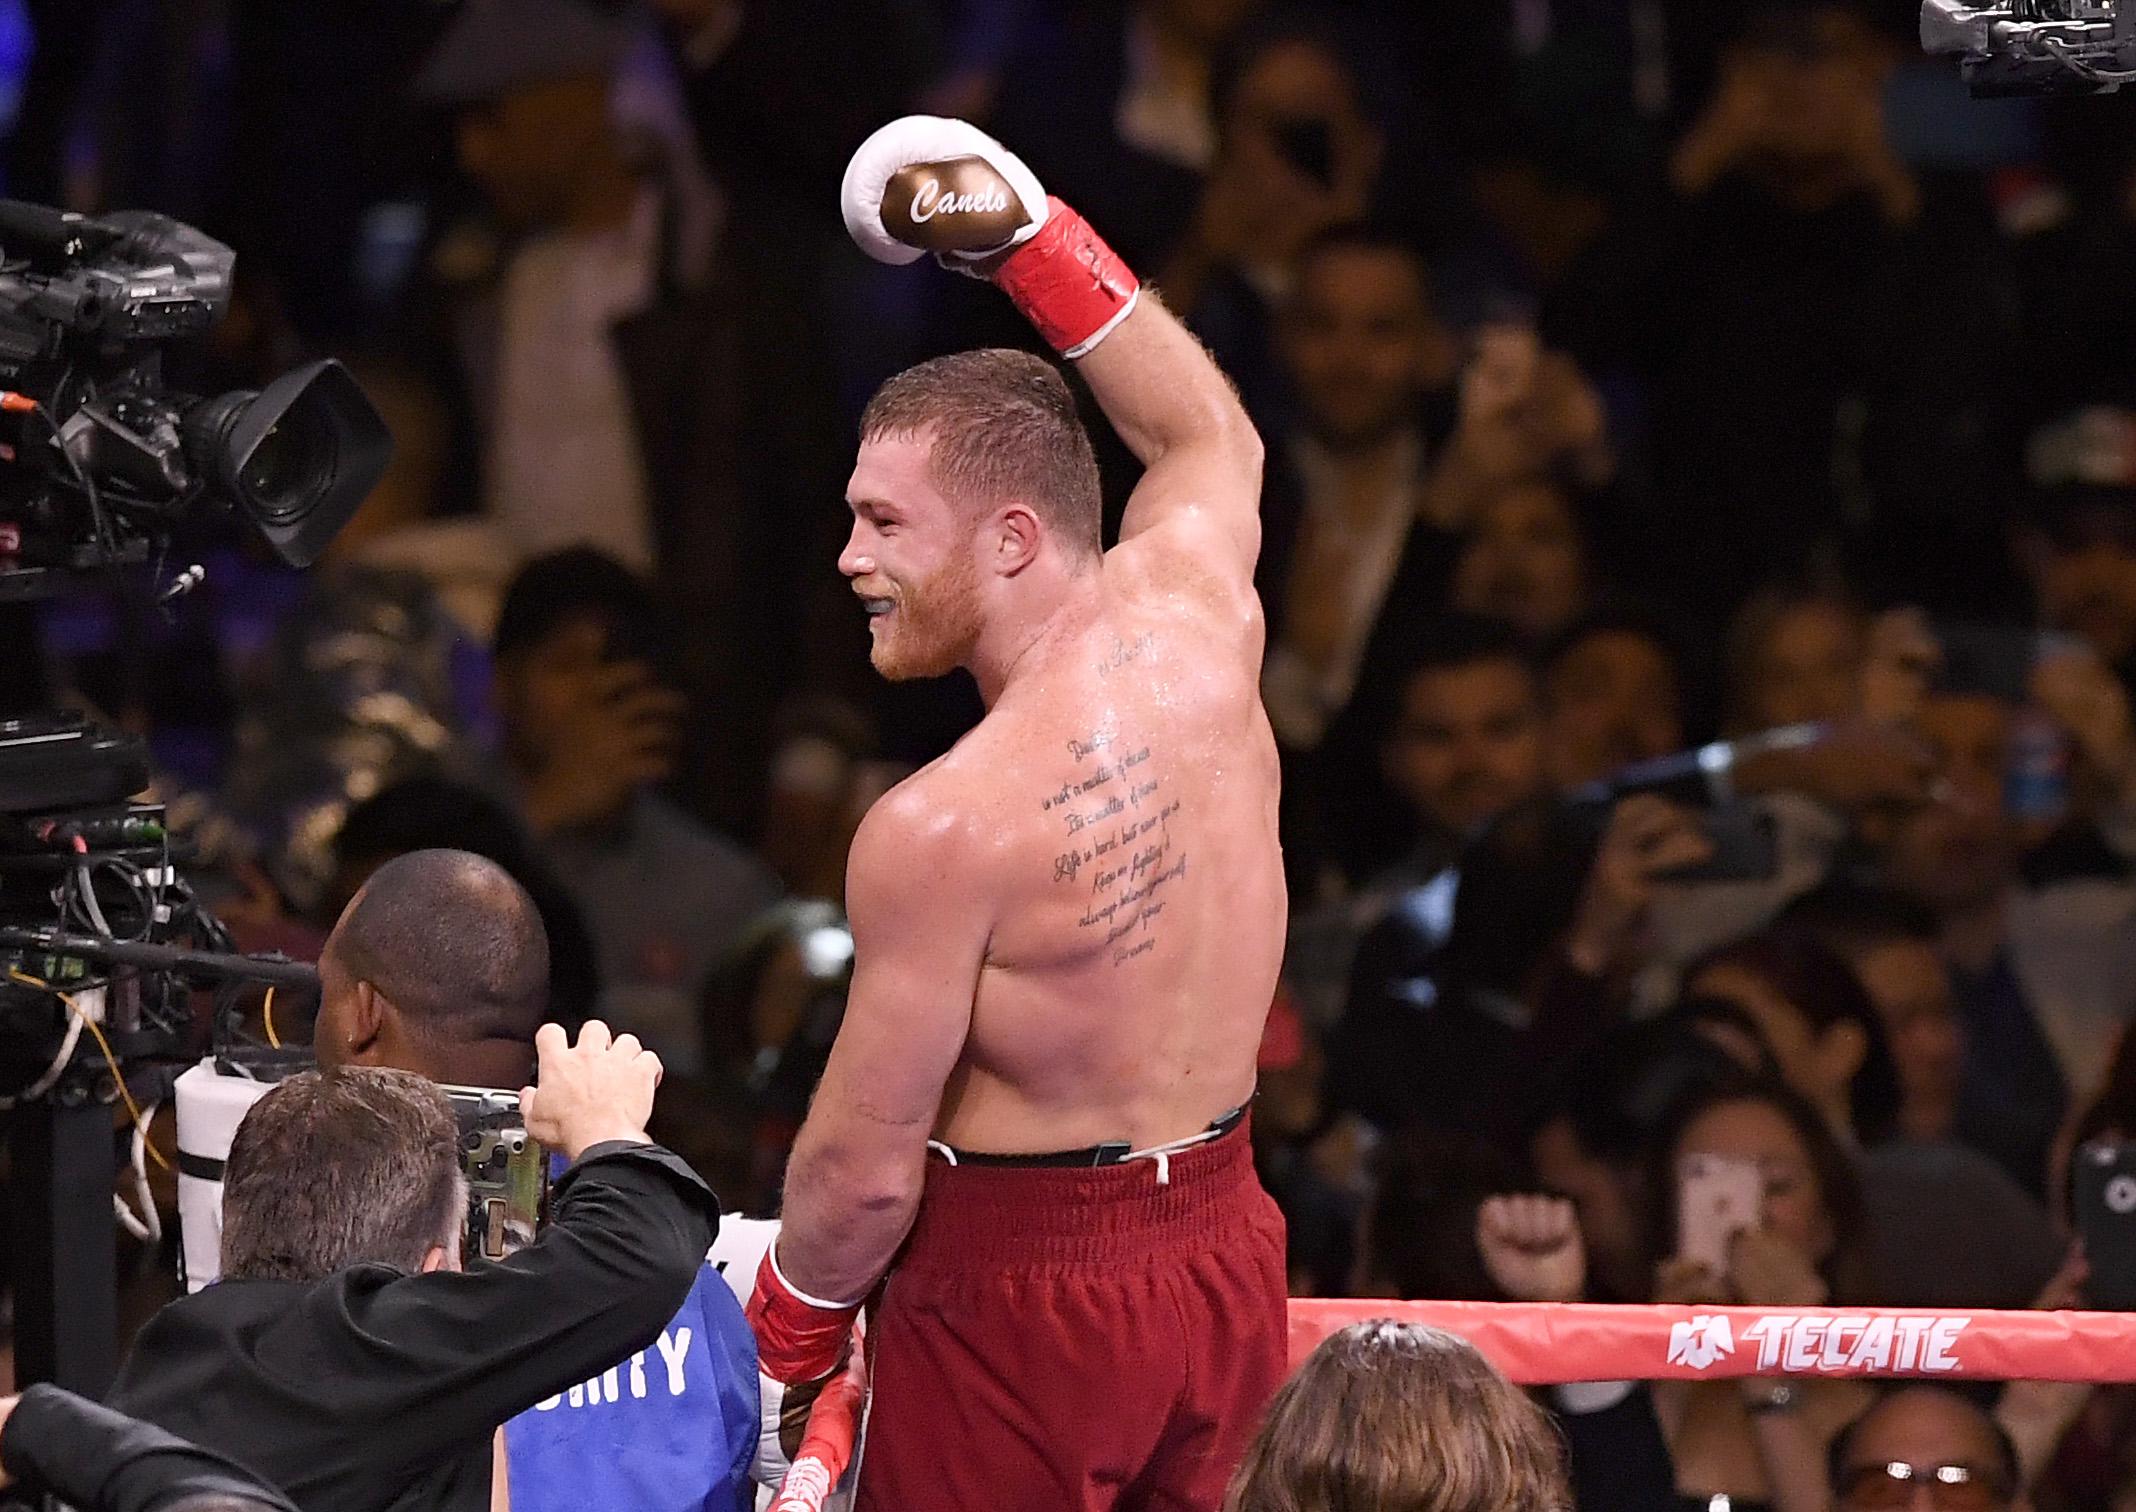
(102, 941)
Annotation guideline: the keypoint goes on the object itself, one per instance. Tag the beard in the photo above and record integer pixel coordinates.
(933, 626)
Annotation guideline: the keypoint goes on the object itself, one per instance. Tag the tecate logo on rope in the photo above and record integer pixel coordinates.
(1815, 1344)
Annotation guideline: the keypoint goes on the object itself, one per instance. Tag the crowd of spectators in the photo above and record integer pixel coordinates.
(1699, 572)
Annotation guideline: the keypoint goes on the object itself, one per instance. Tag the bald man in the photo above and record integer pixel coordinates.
(439, 965)
(1917, 1439)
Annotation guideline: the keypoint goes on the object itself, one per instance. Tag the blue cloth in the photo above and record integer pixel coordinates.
(671, 1429)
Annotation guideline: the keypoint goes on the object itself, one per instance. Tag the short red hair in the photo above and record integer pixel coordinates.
(1002, 425)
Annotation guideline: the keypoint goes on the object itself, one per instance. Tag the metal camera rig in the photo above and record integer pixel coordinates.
(103, 944)
(2027, 47)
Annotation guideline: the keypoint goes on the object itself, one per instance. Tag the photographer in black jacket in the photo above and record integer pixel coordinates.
(345, 1357)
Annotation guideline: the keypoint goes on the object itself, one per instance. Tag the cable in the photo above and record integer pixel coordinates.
(148, 1226)
(267, 1014)
(53, 1072)
(102, 1044)
(2070, 60)
(88, 896)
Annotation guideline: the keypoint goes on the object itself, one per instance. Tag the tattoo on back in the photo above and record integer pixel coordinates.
(1120, 849)
(1124, 651)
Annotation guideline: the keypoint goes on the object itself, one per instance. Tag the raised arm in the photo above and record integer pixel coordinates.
(1178, 413)
(925, 184)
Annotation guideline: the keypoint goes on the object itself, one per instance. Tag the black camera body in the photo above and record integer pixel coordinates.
(105, 458)
(102, 942)
(2032, 47)
(100, 461)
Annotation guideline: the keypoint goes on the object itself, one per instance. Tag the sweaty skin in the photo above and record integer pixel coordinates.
(1067, 930)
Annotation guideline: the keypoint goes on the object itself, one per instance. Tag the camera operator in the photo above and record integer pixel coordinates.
(344, 1355)
(439, 965)
(97, 1460)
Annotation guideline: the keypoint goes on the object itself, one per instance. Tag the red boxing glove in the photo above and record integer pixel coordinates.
(1068, 283)
(799, 1337)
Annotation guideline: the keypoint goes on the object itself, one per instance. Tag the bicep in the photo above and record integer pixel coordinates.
(918, 942)
(906, 1018)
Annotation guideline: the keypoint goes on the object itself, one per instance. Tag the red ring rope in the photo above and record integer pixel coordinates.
(1546, 1343)
(1550, 1343)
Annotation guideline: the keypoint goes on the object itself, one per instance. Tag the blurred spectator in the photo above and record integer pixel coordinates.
(1527, 415)
(1525, 560)
(1392, 466)
(1419, 1234)
(1388, 1414)
(1599, 1121)
(1793, 658)
(1404, 785)
(1916, 1439)
(600, 350)
(1813, 1017)
(1458, 1024)
(1891, 944)
(1947, 1227)
(1760, 1440)
(1809, 1243)
(1958, 857)
(531, 86)
(2078, 547)
(1619, 1461)
(1116, 113)
(590, 731)
(1612, 695)
(428, 814)
(1784, 311)
(1466, 742)
(1351, 535)
(1296, 155)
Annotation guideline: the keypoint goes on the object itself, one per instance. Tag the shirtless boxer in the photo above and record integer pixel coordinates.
(1067, 929)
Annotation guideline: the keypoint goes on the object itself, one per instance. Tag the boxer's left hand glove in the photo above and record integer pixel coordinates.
(930, 184)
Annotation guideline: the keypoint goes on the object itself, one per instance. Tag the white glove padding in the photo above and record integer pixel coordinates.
(969, 215)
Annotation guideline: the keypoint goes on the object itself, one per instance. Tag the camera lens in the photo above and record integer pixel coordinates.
(289, 465)
(297, 456)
